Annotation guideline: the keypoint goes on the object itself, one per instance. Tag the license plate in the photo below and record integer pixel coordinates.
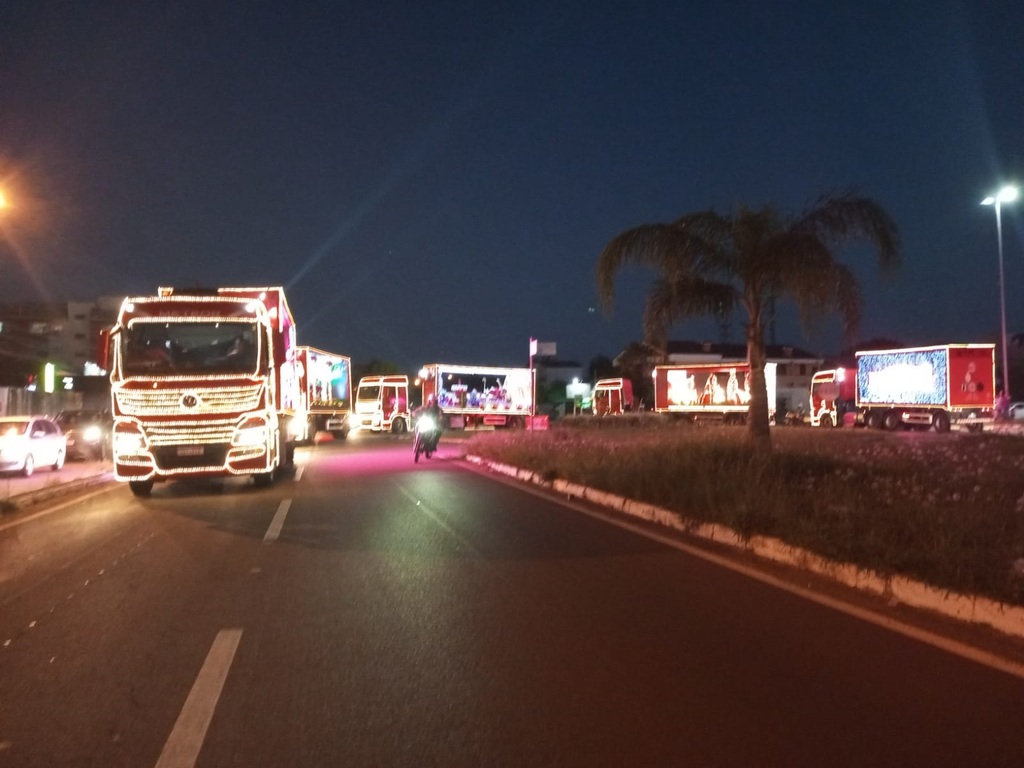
(190, 450)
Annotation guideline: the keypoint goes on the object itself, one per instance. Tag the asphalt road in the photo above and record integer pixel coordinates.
(373, 612)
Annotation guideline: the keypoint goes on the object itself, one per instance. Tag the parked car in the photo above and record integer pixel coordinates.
(88, 433)
(27, 442)
(1015, 411)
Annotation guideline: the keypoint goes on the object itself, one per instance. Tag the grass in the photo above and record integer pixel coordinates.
(945, 509)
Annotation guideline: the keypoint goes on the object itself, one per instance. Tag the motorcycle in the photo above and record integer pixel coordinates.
(428, 432)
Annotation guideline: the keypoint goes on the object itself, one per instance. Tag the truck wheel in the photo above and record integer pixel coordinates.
(891, 421)
(975, 428)
(263, 479)
(141, 488)
(398, 427)
(941, 421)
(873, 420)
(826, 421)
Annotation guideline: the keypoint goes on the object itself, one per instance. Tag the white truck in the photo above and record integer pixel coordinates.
(382, 404)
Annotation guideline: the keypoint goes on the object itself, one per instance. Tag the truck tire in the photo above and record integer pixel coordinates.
(891, 421)
(826, 421)
(141, 488)
(263, 479)
(873, 420)
(398, 427)
(941, 421)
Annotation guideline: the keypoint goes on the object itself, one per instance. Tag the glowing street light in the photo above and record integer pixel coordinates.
(1005, 195)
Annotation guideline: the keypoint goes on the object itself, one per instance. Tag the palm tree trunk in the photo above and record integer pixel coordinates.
(757, 420)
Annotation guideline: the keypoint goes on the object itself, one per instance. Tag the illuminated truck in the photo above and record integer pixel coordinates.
(325, 393)
(473, 396)
(382, 404)
(924, 387)
(709, 391)
(833, 397)
(612, 397)
(203, 382)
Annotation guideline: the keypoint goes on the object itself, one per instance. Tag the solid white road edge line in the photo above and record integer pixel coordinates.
(278, 522)
(878, 619)
(55, 508)
(186, 739)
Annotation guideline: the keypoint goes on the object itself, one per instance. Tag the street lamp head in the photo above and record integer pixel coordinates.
(1005, 195)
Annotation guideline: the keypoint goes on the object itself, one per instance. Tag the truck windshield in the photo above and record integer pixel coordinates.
(368, 393)
(162, 349)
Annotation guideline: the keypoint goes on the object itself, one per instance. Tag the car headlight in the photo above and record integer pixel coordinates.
(92, 434)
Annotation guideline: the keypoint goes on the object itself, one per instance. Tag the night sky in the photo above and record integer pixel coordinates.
(434, 181)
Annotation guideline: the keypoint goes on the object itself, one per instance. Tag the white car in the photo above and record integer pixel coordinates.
(1015, 411)
(27, 442)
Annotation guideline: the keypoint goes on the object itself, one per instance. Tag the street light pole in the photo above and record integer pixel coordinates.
(1005, 195)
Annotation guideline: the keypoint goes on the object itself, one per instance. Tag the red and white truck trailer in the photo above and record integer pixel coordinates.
(937, 386)
(325, 393)
(203, 382)
(612, 397)
(382, 404)
(709, 391)
(474, 396)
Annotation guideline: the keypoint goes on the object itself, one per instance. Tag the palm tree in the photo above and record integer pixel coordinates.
(709, 263)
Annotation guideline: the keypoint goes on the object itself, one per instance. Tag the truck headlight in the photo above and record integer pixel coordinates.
(250, 435)
(128, 443)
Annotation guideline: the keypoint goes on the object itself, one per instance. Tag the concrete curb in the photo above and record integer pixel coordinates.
(1008, 619)
(30, 498)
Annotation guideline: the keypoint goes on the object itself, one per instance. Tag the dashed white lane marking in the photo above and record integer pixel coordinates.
(186, 739)
(299, 471)
(278, 522)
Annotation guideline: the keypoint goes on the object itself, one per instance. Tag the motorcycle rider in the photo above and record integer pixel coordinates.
(433, 410)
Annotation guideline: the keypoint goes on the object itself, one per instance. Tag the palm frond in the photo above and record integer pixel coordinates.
(647, 245)
(837, 218)
(669, 301)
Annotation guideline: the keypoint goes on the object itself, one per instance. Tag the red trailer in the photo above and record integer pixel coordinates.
(325, 393)
(472, 396)
(937, 386)
(718, 391)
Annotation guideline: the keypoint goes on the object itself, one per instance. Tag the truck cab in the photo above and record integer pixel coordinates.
(612, 397)
(382, 404)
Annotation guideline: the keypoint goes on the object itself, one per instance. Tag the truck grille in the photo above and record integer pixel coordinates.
(190, 432)
(177, 400)
(212, 456)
